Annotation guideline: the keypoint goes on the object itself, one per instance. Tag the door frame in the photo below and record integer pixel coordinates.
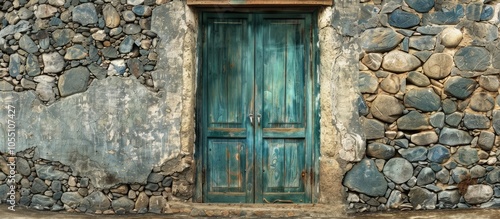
(315, 98)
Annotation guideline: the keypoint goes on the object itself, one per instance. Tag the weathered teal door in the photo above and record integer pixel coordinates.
(256, 126)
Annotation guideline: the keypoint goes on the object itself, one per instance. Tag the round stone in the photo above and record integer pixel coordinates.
(53, 62)
(403, 19)
(390, 84)
(418, 79)
(379, 150)
(380, 39)
(424, 138)
(372, 128)
(128, 16)
(459, 87)
(466, 156)
(413, 154)
(451, 37)
(421, 6)
(424, 99)
(486, 140)
(482, 102)
(386, 108)
(85, 14)
(398, 61)
(365, 178)
(454, 137)
(472, 58)
(372, 60)
(111, 16)
(477, 194)
(426, 176)
(413, 121)
(489, 82)
(398, 170)
(438, 66)
(438, 154)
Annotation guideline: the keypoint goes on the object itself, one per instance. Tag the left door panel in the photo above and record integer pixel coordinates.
(228, 88)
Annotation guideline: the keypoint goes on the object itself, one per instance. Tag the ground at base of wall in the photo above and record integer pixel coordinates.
(196, 210)
(260, 211)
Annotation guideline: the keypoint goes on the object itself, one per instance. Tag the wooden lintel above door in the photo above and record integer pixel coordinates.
(264, 3)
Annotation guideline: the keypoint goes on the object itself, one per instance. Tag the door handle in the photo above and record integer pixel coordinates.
(258, 119)
(250, 116)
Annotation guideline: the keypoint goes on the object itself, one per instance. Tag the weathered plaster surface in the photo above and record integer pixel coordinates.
(341, 135)
(117, 130)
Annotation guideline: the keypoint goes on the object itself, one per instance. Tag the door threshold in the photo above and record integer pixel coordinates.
(256, 210)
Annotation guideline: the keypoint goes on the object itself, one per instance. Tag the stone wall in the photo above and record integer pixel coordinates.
(58, 47)
(429, 78)
(101, 111)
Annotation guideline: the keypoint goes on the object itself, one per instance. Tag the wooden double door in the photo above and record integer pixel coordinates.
(256, 126)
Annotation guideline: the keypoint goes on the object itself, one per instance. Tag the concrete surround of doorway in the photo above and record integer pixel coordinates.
(338, 94)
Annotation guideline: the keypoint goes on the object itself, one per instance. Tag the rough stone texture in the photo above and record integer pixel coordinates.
(373, 129)
(379, 150)
(477, 194)
(438, 153)
(423, 198)
(142, 203)
(397, 61)
(72, 199)
(126, 204)
(403, 19)
(421, 6)
(472, 58)
(424, 138)
(438, 66)
(489, 82)
(424, 99)
(386, 108)
(111, 16)
(75, 52)
(372, 60)
(425, 176)
(85, 14)
(436, 120)
(32, 66)
(364, 177)
(454, 137)
(486, 140)
(368, 83)
(156, 204)
(398, 170)
(482, 102)
(53, 62)
(96, 201)
(496, 121)
(379, 40)
(460, 87)
(45, 11)
(449, 198)
(413, 121)
(418, 79)
(422, 42)
(448, 17)
(41, 202)
(74, 81)
(49, 173)
(466, 156)
(418, 153)
(476, 121)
